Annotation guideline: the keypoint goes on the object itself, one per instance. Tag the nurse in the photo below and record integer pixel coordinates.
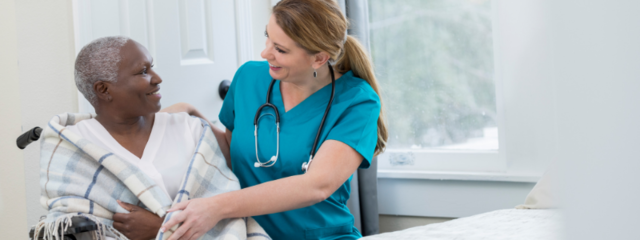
(303, 38)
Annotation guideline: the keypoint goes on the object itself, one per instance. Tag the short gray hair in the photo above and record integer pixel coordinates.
(98, 61)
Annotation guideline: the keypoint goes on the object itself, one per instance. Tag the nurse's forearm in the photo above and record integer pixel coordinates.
(220, 138)
(222, 142)
(334, 163)
(227, 137)
(270, 197)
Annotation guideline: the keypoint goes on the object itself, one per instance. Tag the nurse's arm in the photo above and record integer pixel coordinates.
(227, 137)
(334, 163)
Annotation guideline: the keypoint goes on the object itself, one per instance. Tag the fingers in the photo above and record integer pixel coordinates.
(180, 232)
(195, 236)
(178, 107)
(179, 206)
(119, 217)
(118, 226)
(175, 219)
(188, 234)
(127, 206)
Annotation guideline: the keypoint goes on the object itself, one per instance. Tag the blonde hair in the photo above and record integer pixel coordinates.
(319, 26)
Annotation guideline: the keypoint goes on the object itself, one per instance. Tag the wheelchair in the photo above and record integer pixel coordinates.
(80, 228)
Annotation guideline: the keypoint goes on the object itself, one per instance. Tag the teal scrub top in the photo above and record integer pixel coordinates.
(352, 120)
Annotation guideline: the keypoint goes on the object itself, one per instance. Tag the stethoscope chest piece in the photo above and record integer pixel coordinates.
(305, 165)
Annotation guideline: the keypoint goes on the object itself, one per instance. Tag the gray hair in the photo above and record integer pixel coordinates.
(98, 61)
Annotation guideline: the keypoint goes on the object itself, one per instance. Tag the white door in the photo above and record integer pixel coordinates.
(193, 43)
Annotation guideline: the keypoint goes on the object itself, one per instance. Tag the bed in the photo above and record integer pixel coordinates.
(538, 218)
(521, 224)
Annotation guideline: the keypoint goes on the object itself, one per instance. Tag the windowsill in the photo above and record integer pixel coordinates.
(451, 194)
(461, 176)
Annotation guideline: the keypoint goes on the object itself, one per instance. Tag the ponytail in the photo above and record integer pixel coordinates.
(320, 26)
(354, 58)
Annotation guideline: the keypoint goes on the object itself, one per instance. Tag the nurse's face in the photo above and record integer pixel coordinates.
(288, 62)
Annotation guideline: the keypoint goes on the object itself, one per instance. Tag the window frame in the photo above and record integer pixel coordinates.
(429, 160)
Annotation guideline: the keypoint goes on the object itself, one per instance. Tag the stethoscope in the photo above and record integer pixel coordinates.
(274, 159)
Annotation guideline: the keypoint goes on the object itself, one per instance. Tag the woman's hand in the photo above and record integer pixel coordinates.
(138, 223)
(180, 107)
(197, 218)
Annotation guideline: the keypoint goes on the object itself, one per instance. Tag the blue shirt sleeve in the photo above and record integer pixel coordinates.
(227, 113)
(358, 125)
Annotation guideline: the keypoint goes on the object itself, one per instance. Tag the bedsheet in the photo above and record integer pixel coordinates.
(521, 224)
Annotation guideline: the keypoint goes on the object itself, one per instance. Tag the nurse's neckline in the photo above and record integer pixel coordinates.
(338, 77)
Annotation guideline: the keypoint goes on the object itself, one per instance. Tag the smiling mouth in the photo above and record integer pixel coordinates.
(273, 66)
(154, 93)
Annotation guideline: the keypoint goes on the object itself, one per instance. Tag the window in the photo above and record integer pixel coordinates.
(434, 60)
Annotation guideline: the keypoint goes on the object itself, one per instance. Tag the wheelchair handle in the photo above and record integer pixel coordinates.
(28, 137)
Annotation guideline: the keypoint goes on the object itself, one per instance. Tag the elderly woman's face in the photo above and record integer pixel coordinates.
(137, 90)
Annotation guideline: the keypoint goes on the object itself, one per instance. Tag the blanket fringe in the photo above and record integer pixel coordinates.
(54, 230)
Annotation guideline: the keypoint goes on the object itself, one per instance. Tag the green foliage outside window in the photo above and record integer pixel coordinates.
(434, 61)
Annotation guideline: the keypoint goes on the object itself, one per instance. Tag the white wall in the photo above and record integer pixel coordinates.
(521, 46)
(261, 11)
(597, 81)
(12, 190)
(43, 86)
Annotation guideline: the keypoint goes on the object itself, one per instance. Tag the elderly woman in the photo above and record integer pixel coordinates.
(128, 161)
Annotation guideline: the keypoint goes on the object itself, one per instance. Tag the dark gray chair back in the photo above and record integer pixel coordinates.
(363, 202)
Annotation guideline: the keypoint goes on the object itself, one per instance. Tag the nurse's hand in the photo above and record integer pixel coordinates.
(180, 107)
(198, 216)
(138, 223)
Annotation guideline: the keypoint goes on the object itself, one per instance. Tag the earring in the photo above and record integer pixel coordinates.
(315, 74)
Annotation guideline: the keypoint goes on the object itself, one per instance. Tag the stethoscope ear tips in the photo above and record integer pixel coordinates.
(273, 158)
(256, 164)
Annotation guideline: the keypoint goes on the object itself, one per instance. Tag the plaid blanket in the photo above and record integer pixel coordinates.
(80, 179)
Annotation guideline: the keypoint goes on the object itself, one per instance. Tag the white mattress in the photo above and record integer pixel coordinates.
(521, 224)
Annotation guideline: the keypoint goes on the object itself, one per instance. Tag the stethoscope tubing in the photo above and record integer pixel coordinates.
(326, 112)
(271, 161)
(274, 159)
